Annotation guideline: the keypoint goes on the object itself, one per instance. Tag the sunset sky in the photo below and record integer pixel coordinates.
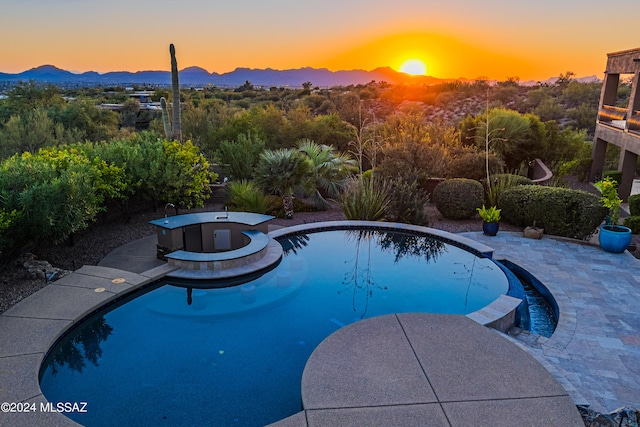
(455, 38)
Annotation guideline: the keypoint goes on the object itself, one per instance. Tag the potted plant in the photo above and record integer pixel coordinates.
(614, 237)
(490, 220)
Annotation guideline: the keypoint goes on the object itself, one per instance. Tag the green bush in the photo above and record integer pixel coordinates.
(48, 196)
(408, 202)
(51, 195)
(458, 198)
(634, 204)
(633, 222)
(245, 196)
(615, 175)
(502, 182)
(561, 211)
(239, 157)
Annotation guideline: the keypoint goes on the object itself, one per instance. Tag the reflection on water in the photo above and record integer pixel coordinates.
(359, 279)
(80, 347)
(293, 243)
(406, 245)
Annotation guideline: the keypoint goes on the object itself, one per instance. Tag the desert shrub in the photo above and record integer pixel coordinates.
(407, 202)
(469, 162)
(561, 211)
(613, 174)
(49, 195)
(7, 234)
(240, 157)
(634, 204)
(633, 222)
(185, 175)
(365, 199)
(246, 196)
(458, 198)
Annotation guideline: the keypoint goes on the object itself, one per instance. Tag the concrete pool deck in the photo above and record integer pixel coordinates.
(594, 355)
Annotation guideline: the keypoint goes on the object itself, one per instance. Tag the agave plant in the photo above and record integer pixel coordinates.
(365, 199)
(280, 172)
(330, 170)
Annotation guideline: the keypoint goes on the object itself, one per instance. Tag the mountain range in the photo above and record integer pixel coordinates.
(196, 76)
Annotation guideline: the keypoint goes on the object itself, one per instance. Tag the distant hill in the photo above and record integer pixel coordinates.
(196, 76)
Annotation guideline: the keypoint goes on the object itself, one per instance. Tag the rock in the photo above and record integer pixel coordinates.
(621, 417)
(40, 269)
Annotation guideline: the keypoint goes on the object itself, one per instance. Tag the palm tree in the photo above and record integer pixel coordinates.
(281, 171)
(330, 169)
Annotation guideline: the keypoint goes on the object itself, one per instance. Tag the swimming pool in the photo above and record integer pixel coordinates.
(234, 355)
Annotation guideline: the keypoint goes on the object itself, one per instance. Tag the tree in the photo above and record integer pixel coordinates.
(414, 148)
(247, 85)
(129, 113)
(271, 125)
(26, 96)
(576, 93)
(239, 157)
(30, 131)
(549, 109)
(329, 171)
(518, 137)
(306, 88)
(281, 171)
(185, 175)
(82, 118)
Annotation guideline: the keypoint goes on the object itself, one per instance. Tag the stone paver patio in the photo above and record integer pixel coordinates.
(595, 351)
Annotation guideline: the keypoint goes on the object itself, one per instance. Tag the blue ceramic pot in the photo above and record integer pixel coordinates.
(490, 228)
(615, 239)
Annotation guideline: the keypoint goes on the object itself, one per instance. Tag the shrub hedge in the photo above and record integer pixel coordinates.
(633, 222)
(458, 198)
(634, 204)
(561, 211)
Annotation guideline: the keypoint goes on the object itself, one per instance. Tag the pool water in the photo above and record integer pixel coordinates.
(181, 355)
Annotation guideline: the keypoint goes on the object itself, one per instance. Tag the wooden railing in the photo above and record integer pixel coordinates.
(609, 113)
(633, 122)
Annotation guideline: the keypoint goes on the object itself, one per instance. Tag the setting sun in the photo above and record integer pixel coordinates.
(414, 66)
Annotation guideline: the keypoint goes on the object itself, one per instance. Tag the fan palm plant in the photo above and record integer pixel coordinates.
(330, 170)
(280, 172)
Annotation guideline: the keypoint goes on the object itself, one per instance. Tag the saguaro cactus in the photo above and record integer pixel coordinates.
(175, 84)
